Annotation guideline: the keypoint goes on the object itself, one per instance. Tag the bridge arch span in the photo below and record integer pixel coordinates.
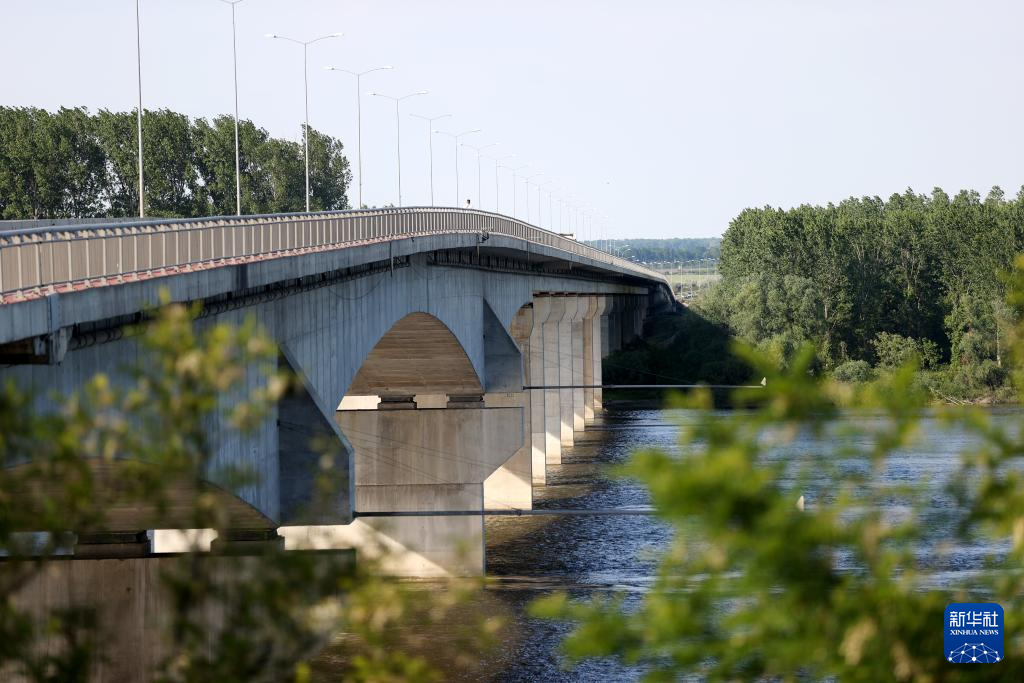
(418, 354)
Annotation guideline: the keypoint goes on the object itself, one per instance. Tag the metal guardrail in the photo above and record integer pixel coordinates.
(48, 258)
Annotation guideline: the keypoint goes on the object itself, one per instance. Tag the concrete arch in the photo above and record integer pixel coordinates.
(418, 354)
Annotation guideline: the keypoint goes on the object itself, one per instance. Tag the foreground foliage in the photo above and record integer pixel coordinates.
(274, 611)
(812, 580)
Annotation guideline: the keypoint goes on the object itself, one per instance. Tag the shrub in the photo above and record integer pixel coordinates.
(988, 374)
(894, 350)
(853, 371)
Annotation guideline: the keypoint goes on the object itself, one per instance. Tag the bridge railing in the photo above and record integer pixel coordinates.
(33, 259)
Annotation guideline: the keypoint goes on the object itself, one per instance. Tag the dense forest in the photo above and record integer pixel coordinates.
(873, 282)
(667, 250)
(73, 164)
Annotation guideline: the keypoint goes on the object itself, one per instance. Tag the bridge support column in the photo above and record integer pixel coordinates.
(421, 460)
(511, 485)
(627, 320)
(566, 354)
(553, 377)
(592, 354)
(580, 353)
(534, 373)
(606, 319)
(615, 322)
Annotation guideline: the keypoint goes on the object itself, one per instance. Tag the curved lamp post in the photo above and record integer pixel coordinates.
(138, 65)
(398, 130)
(430, 146)
(359, 115)
(456, 137)
(497, 191)
(526, 182)
(305, 75)
(478, 150)
(234, 62)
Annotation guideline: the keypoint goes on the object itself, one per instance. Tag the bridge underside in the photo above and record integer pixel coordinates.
(413, 360)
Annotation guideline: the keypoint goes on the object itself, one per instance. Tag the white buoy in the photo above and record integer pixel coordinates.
(800, 503)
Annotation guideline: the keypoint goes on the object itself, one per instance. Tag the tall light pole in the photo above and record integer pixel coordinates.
(305, 84)
(515, 181)
(455, 138)
(138, 64)
(526, 182)
(359, 116)
(497, 191)
(430, 146)
(234, 62)
(398, 130)
(551, 224)
(478, 150)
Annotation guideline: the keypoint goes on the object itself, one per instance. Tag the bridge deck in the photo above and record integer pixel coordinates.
(35, 262)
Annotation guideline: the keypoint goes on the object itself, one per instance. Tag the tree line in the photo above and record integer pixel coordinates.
(872, 282)
(667, 250)
(74, 164)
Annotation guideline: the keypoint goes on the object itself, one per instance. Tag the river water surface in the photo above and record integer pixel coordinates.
(528, 557)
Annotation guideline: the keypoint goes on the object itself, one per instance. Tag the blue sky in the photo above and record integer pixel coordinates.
(664, 119)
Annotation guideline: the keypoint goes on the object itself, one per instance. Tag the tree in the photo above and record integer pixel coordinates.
(281, 162)
(118, 137)
(72, 165)
(18, 192)
(924, 267)
(329, 174)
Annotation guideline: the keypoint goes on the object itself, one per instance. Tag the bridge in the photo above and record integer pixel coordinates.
(415, 333)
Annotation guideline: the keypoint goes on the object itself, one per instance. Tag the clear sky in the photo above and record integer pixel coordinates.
(665, 117)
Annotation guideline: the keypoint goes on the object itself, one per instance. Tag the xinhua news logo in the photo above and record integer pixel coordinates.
(974, 633)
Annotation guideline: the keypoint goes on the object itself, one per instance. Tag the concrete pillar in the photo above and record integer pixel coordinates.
(627, 320)
(535, 377)
(421, 460)
(553, 377)
(134, 605)
(644, 305)
(588, 357)
(598, 327)
(615, 323)
(511, 485)
(582, 362)
(606, 323)
(565, 367)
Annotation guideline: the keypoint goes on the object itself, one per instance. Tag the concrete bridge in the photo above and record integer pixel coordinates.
(414, 331)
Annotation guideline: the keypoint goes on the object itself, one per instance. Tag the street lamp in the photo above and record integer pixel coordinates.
(430, 146)
(455, 137)
(305, 76)
(138, 64)
(359, 115)
(234, 62)
(526, 182)
(551, 225)
(481, 148)
(398, 130)
(515, 181)
(497, 164)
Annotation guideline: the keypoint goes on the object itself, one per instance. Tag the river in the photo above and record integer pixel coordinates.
(530, 556)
